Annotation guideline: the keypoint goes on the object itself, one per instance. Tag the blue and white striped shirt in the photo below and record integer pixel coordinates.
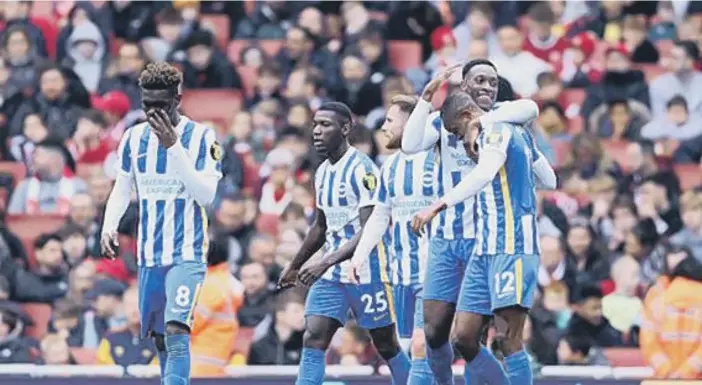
(342, 189)
(507, 205)
(407, 186)
(172, 225)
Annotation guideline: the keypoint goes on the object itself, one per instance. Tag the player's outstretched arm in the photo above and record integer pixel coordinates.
(518, 112)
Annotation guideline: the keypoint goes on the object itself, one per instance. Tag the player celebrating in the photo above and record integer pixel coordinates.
(174, 163)
(406, 186)
(345, 185)
(502, 274)
(454, 235)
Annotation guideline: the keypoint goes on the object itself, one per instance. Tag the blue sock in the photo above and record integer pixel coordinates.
(519, 368)
(162, 359)
(400, 368)
(486, 368)
(311, 370)
(177, 370)
(440, 361)
(420, 372)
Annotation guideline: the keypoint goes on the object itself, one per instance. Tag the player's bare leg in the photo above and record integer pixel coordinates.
(177, 343)
(509, 326)
(468, 336)
(318, 335)
(420, 373)
(388, 346)
(438, 317)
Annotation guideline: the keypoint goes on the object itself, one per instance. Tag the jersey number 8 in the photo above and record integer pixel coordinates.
(182, 297)
(380, 304)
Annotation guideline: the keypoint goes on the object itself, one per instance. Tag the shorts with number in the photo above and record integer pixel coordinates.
(446, 264)
(408, 304)
(169, 294)
(372, 303)
(497, 281)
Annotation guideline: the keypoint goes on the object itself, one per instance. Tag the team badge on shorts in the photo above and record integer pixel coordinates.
(370, 182)
(216, 151)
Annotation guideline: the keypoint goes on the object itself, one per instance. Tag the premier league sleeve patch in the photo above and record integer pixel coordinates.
(216, 151)
(494, 139)
(370, 182)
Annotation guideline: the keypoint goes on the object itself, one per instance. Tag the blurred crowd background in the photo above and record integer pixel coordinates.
(620, 90)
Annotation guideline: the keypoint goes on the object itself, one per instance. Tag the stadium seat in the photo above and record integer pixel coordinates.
(249, 75)
(211, 104)
(404, 55)
(690, 175)
(40, 313)
(220, 27)
(16, 169)
(625, 357)
(84, 356)
(617, 151)
(29, 227)
(243, 341)
(652, 71)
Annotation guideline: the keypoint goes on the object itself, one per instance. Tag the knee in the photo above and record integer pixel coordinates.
(466, 342)
(386, 342)
(159, 342)
(418, 347)
(315, 338)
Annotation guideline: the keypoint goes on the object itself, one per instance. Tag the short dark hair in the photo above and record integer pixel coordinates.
(677, 100)
(269, 68)
(617, 102)
(578, 343)
(94, 116)
(406, 103)
(200, 37)
(287, 297)
(483, 7)
(340, 109)
(474, 63)
(294, 210)
(43, 239)
(454, 104)
(66, 308)
(546, 78)
(690, 48)
(585, 291)
(46, 67)
(552, 104)
(645, 231)
(169, 15)
(541, 12)
(160, 76)
(505, 92)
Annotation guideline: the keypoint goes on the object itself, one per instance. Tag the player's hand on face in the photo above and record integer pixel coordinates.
(311, 272)
(162, 127)
(108, 245)
(438, 81)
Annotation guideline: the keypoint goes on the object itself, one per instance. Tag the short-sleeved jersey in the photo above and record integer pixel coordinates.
(507, 206)
(342, 189)
(172, 225)
(407, 186)
(457, 222)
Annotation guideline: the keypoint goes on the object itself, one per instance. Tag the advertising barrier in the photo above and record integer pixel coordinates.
(369, 380)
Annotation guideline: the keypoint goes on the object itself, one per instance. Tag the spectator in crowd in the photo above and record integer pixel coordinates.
(623, 306)
(215, 318)
(269, 21)
(298, 50)
(55, 351)
(579, 350)
(605, 21)
(67, 320)
(50, 265)
(443, 44)
(234, 230)
(518, 66)
(275, 194)
(169, 28)
(79, 13)
(552, 120)
(86, 54)
(354, 348)
(657, 198)
(554, 265)
(51, 187)
(83, 215)
(576, 70)
(619, 122)
(636, 42)
(80, 280)
(643, 164)
(268, 83)
(22, 57)
(477, 26)
(16, 14)
(129, 63)
(105, 299)
(549, 318)
(677, 123)
(278, 338)
(541, 40)
(90, 144)
(587, 161)
(205, 66)
(373, 50)
(16, 349)
(123, 346)
(55, 103)
(262, 250)
(620, 81)
(587, 319)
(670, 329)
(682, 79)
(643, 244)
(22, 146)
(257, 295)
(74, 244)
(691, 233)
(585, 253)
(361, 92)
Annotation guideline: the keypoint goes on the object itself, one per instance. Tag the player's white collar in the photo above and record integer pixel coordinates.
(342, 160)
(181, 124)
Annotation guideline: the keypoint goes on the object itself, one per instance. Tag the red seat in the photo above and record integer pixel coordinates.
(404, 55)
(40, 313)
(690, 175)
(625, 357)
(249, 76)
(617, 151)
(562, 149)
(29, 227)
(219, 25)
(84, 356)
(574, 96)
(211, 104)
(652, 71)
(16, 169)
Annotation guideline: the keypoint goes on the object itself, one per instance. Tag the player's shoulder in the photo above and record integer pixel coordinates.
(201, 129)
(390, 161)
(362, 161)
(136, 129)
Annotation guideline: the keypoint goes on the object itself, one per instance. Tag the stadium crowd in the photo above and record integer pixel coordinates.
(620, 91)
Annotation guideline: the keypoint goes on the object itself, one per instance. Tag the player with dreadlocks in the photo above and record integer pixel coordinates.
(174, 163)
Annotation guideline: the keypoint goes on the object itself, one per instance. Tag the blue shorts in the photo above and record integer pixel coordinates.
(497, 281)
(169, 294)
(410, 313)
(446, 265)
(372, 303)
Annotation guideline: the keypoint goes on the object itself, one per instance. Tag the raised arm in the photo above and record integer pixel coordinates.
(519, 111)
(201, 177)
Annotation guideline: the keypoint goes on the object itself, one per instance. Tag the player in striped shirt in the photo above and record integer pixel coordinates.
(406, 186)
(345, 187)
(501, 278)
(174, 164)
(453, 235)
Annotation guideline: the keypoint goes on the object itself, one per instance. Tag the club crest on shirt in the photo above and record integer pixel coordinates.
(216, 151)
(370, 182)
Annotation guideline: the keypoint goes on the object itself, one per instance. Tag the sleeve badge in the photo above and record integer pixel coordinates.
(370, 182)
(216, 151)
